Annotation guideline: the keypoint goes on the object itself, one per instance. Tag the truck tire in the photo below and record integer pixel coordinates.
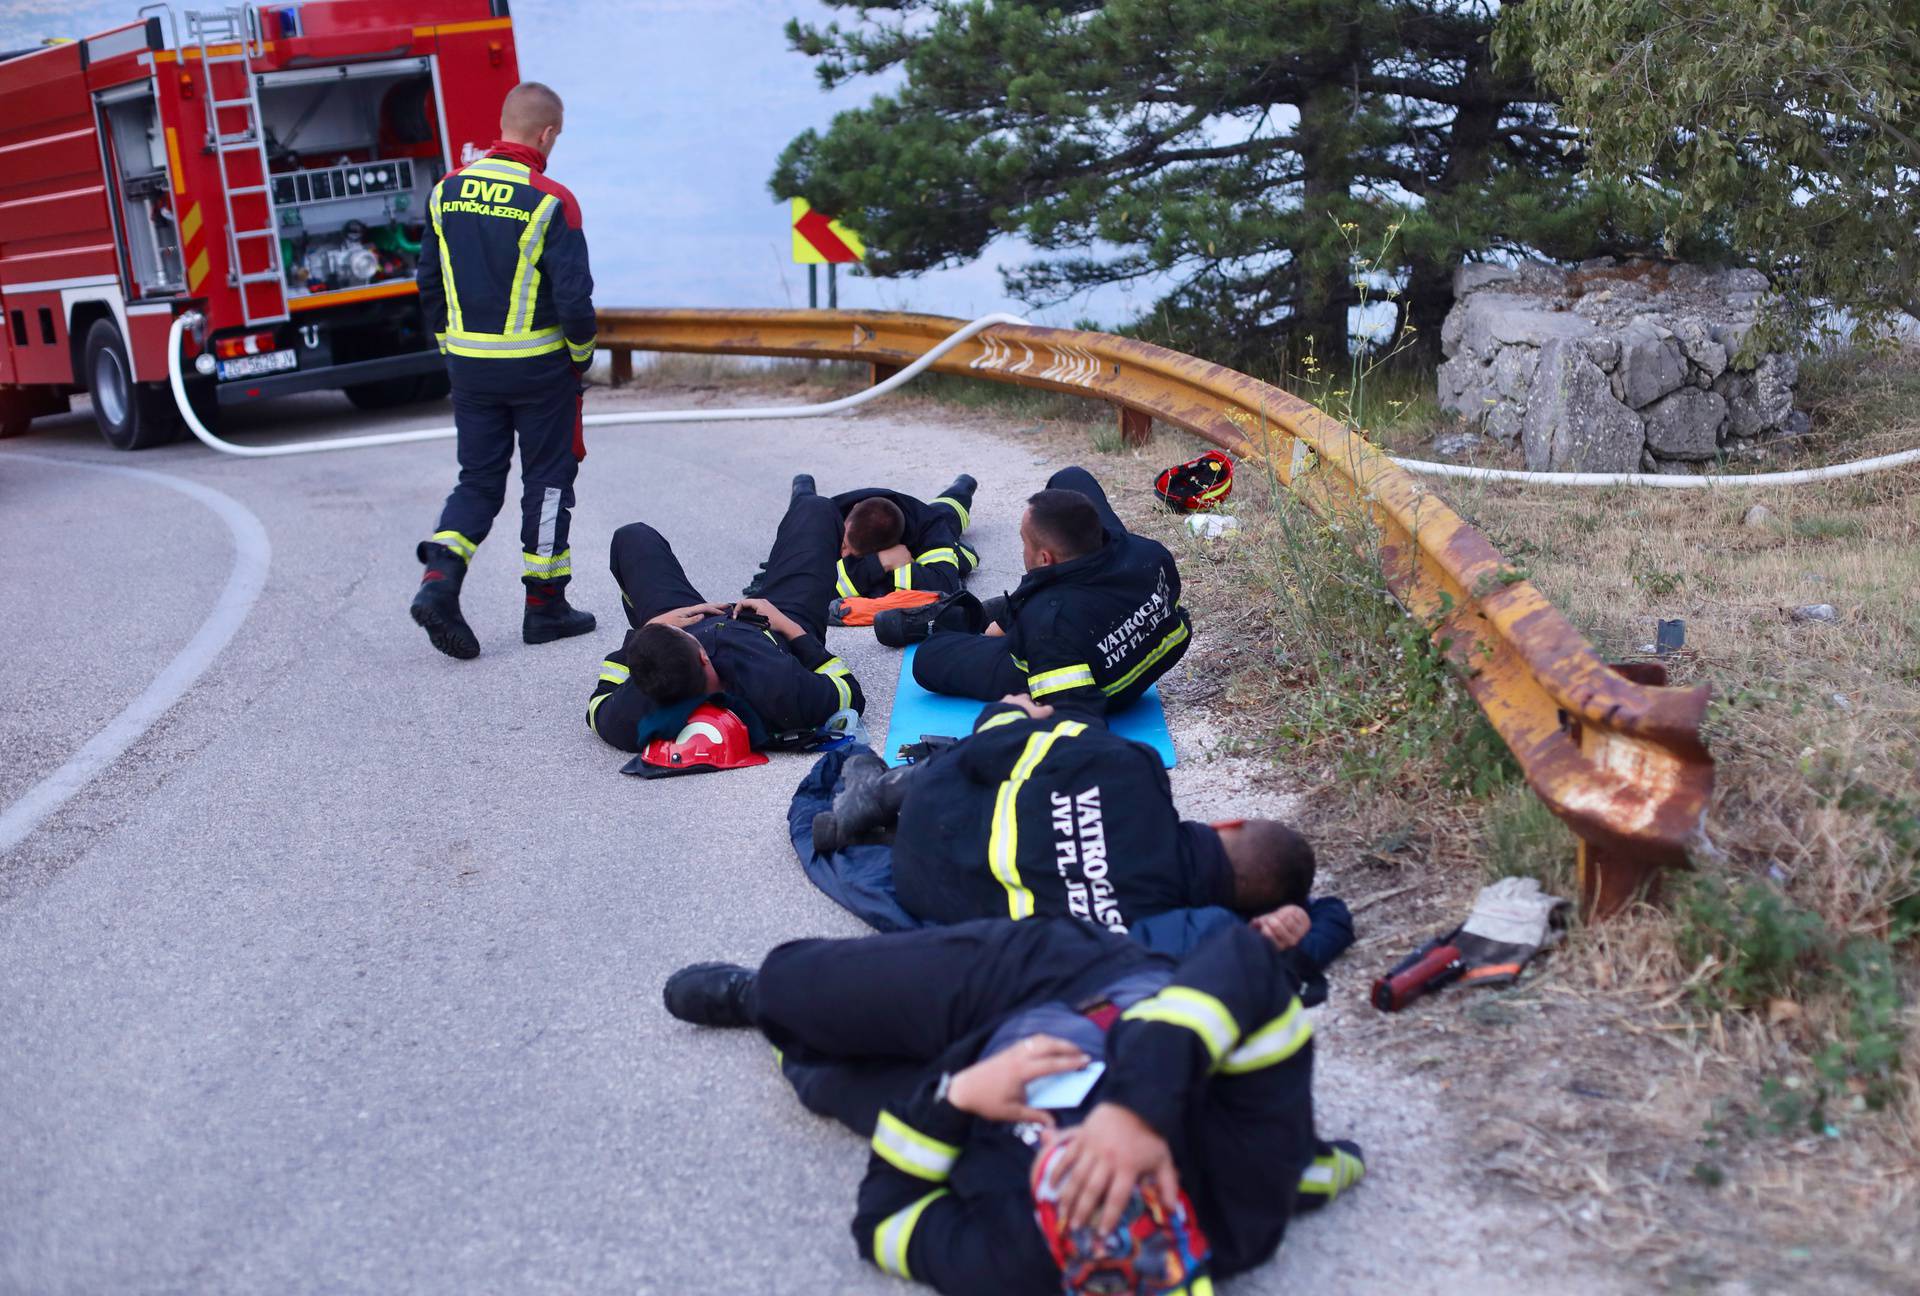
(383, 393)
(434, 387)
(132, 415)
(20, 406)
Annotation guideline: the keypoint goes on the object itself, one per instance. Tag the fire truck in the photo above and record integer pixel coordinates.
(265, 166)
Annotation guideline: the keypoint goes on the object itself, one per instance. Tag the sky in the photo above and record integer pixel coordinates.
(676, 112)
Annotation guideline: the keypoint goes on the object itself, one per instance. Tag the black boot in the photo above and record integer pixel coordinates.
(898, 627)
(711, 994)
(1339, 1167)
(803, 485)
(869, 800)
(962, 489)
(549, 616)
(436, 606)
(757, 584)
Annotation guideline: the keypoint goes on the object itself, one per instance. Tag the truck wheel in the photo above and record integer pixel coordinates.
(20, 406)
(131, 415)
(384, 393)
(434, 387)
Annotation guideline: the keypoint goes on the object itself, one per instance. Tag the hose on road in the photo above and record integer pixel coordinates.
(177, 378)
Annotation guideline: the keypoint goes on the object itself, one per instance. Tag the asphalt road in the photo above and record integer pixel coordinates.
(346, 975)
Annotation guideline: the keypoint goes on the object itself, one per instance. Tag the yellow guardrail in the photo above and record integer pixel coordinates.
(1611, 750)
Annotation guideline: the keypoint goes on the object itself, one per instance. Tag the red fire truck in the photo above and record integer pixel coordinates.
(265, 166)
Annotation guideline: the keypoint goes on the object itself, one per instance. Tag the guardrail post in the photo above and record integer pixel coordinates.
(622, 367)
(882, 372)
(1136, 426)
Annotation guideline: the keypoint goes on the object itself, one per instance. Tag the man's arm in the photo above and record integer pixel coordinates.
(1059, 663)
(910, 1224)
(828, 685)
(563, 261)
(427, 274)
(617, 706)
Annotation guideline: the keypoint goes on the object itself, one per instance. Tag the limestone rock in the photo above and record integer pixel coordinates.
(1697, 341)
(1573, 423)
(1458, 442)
(1758, 516)
(1505, 421)
(1650, 365)
(1686, 424)
(1473, 276)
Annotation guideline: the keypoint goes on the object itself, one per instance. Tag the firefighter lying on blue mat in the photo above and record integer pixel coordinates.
(890, 541)
(1039, 814)
(1093, 623)
(761, 659)
(1050, 1105)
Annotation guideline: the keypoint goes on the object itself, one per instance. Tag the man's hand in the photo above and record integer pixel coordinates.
(782, 624)
(1110, 1152)
(681, 618)
(1038, 710)
(1284, 927)
(996, 1087)
(894, 557)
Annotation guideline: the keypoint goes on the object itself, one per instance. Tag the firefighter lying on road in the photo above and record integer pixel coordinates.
(505, 286)
(761, 658)
(1095, 621)
(894, 542)
(1039, 815)
(1179, 1112)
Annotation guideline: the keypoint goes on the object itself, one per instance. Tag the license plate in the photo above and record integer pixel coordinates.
(254, 365)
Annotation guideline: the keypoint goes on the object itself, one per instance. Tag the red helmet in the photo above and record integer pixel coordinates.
(1157, 1248)
(713, 738)
(1196, 484)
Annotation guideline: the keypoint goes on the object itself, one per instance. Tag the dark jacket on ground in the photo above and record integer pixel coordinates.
(791, 686)
(1094, 633)
(932, 535)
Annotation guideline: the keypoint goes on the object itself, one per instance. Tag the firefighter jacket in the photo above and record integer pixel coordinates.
(1094, 633)
(946, 1199)
(1056, 818)
(786, 687)
(940, 561)
(503, 262)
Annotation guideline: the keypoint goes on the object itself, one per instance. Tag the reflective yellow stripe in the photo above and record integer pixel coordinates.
(903, 577)
(906, 1149)
(942, 555)
(1059, 681)
(845, 582)
(526, 271)
(504, 346)
(896, 1231)
(457, 542)
(614, 673)
(1196, 1010)
(550, 568)
(836, 670)
(498, 169)
(581, 352)
(593, 713)
(1175, 637)
(1003, 842)
(1330, 1175)
(1004, 718)
(446, 267)
(959, 510)
(1273, 1043)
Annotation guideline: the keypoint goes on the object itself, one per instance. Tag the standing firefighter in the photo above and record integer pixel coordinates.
(504, 283)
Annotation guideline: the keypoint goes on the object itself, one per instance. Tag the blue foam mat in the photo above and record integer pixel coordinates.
(917, 712)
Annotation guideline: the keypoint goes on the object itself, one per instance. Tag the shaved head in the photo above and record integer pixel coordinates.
(532, 115)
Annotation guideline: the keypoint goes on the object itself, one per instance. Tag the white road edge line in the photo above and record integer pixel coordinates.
(252, 552)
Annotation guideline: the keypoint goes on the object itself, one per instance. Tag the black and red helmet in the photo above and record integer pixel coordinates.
(1197, 484)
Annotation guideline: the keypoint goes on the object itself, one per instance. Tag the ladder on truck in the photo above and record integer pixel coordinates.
(243, 151)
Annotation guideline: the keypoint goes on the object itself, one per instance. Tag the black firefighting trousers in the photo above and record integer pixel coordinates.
(800, 567)
(538, 398)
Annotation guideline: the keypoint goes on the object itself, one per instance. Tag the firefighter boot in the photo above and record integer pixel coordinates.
(898, 627)
(962, 489)
(803, 485)
(550, 617)
(436, 607)
(869, 799)
(1338, 1167)
(711, 994)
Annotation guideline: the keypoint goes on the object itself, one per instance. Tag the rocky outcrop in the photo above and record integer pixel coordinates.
(1614, 367)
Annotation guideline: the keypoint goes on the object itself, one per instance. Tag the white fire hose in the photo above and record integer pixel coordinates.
(1676, 481)
(178, 380)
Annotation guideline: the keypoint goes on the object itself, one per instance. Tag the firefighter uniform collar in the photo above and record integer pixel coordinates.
(518, 153)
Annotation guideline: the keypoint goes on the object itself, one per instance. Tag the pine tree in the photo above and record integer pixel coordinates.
(1236, 150)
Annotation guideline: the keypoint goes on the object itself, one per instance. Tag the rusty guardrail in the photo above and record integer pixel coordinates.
(1609, 749)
